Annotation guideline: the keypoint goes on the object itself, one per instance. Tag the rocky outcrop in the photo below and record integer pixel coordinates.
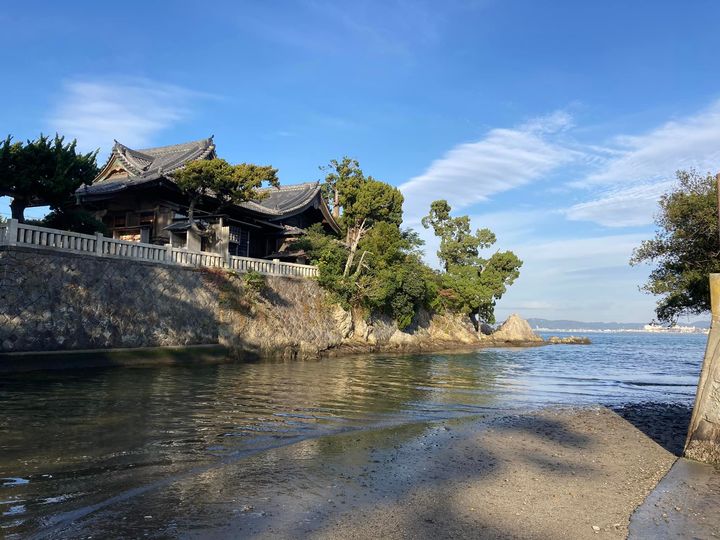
(568, 340)
(515, 330)
(376, 333)
(52, 301)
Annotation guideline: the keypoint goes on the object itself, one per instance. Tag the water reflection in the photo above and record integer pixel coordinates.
(70, 440)
(74, 438)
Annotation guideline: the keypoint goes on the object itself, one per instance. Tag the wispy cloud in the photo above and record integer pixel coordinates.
(593, 251)
(395, 28)
(693, 141)
(628, 207)
(503, 160)
(627, 184)
(134, 111)
(580, 277)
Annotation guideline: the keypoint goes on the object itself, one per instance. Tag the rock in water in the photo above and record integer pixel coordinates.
(569, 340)
(516, 329)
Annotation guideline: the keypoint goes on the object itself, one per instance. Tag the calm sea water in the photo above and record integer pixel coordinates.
(72, 441)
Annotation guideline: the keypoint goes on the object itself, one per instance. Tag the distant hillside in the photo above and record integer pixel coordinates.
(579, 325)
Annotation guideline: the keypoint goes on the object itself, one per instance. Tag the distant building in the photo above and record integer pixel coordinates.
(674, 329)
(136, 198)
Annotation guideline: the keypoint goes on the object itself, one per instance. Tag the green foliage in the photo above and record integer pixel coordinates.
(458, 245)
(368, 200)
(379, 267)
(254, 282)
(685, 248)
(223, 182)
(470, 283)
(364, 201)
(401, 289)
(43, 172)
(329, 255)
(339, 172)
(390, 277)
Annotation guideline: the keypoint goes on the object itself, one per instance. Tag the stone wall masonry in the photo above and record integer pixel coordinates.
(58, 301)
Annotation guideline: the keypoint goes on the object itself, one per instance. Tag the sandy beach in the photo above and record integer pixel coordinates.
(552, 473)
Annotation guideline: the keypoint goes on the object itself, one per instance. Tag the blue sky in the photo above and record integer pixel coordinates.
(556, 124)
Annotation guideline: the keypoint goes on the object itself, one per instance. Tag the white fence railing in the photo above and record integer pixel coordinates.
(13, 233)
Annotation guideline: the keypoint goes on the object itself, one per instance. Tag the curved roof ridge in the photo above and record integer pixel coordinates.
(156, 151)
(289, 187)
(127, 155)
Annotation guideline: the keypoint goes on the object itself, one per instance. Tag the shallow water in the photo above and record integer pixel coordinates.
(72, 440)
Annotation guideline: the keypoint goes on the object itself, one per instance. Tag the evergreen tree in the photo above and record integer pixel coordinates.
(685, 248)
(217, 180)
(470, 284)
(43, 172)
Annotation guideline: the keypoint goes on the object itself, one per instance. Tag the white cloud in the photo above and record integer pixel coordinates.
(503, 160)
(133, 111)
(628, 182)
(594, 251)
(693, 141)
(566, 275)
(582, 278)
(629, 207)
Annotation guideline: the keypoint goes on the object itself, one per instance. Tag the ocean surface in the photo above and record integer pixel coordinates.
(72, 442)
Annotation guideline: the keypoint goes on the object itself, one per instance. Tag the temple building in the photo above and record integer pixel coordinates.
(136, 198)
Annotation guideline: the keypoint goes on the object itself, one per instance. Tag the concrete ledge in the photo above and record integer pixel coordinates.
(683, 505)
(33, 361)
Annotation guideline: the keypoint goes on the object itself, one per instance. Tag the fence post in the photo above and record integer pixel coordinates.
(98, 243)
(12, 232)
(276, 267)
(168, 252)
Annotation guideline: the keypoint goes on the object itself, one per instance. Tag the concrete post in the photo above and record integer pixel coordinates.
(168, 252)
(99, 243)
(703, 440)
(276, 267)
(12, 232)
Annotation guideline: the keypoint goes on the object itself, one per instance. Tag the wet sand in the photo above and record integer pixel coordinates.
(554, 473)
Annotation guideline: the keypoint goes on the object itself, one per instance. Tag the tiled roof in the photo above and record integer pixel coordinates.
(163, 159)
(147, 164)
(151, 164)
(279, 201)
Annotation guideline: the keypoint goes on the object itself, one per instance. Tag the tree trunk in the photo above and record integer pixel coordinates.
(17, 207)
(353, 239)
(191, 215)
(360, 264)
(703, 440)
(351, 256)
(336, 204)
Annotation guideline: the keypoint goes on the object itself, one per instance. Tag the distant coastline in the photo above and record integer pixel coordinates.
(664, 330)
(566, 326)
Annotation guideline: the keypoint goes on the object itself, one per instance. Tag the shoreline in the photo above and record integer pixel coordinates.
(17, 362)
(555, 472)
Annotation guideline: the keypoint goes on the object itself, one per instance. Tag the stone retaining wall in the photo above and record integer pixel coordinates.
(58, 301)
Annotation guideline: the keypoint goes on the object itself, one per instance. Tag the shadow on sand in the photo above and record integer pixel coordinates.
(666, 424)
